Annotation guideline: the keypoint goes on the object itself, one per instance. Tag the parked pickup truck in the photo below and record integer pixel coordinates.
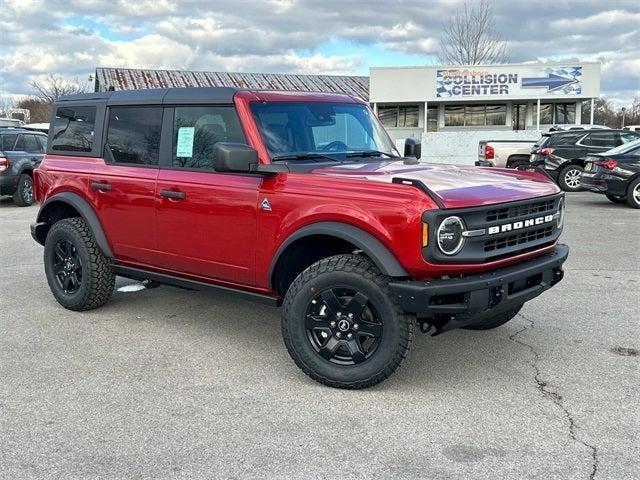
(299, 199)
(504, 153)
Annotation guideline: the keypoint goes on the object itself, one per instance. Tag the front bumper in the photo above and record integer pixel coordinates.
(470, 299)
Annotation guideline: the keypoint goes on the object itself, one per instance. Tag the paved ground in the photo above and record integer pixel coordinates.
(173, 384)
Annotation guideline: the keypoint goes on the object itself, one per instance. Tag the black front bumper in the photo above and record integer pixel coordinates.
(470, 299)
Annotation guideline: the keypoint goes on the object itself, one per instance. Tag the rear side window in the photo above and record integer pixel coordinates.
(73, 129)
(601, 139)
(133, 134)
(28, 143)
(8, 141)
(196, 130)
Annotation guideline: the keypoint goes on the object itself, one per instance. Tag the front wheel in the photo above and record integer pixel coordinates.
(494, 321)
(23, 196)
(341, 324)
(79, 276)
(569, 178)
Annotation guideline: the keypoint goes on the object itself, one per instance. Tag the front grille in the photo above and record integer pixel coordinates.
(518, 239)
(520, 210)
(517, 231)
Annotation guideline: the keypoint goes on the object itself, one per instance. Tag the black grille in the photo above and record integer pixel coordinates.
(520, 210)
(518, 239)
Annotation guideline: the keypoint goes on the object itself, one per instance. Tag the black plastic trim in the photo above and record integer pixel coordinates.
(371, 246)
(142, 274)
(421, 186)
(87, 213)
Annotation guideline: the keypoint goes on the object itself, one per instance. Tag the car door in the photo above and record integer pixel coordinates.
(206, 220)
(123, 186)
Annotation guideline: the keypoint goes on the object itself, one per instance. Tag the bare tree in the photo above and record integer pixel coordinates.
(469, 37)
(40, 110)
(54, 87)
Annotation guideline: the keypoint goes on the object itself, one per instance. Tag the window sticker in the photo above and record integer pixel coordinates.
(185, 142)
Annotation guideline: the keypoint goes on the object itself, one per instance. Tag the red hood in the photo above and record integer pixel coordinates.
(456, 186)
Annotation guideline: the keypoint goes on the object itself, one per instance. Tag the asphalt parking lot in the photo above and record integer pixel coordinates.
(168, 383)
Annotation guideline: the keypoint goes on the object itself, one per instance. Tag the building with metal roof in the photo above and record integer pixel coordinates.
(132, 79)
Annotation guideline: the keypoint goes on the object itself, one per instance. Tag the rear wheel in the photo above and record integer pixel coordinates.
(633, 193)
(23, 196)
(616, 198)
(495, 321)
(79, 276)
(341, 324)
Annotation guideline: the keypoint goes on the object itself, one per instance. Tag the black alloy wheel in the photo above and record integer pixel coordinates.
(343, 326)
(67, 267)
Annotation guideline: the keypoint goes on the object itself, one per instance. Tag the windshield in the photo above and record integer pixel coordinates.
(324, 130)
(624, 148)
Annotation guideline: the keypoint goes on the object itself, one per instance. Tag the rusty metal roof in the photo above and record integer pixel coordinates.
(131, 79)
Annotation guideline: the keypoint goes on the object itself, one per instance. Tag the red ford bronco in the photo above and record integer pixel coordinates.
(299, 199)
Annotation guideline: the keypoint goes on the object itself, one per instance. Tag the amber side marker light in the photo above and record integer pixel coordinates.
(425, 234)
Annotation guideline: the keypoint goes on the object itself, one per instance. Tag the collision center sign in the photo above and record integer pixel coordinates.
(468, 82)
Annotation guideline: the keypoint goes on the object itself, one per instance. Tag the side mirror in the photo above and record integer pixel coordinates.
(234, 157)
(412, 148)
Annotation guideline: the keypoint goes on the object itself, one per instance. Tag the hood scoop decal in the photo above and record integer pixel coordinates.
(420, 185)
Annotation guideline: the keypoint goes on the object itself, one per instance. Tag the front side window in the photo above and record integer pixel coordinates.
(292, 128)
(133, 134)
(627, 137)
(73, 129)
(601, 139)
(196, 130)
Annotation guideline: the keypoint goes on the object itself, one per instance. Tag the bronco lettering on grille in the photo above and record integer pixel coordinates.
(508, 227)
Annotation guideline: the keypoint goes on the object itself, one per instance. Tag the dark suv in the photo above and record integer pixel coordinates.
(563, 154)
(21, 151)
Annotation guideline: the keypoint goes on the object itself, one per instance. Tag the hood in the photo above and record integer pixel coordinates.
(454, 186)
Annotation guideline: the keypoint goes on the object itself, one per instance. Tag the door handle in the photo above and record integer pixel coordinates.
(173, 194)
(101, 186)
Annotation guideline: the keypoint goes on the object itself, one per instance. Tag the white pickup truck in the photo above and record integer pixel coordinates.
(504, 153)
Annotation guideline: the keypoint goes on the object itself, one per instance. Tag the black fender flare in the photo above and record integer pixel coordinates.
(370, 245)
(86, 212)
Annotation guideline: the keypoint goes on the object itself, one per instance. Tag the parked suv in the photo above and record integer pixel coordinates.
(21, 151)
(563, 154)
(293, 198)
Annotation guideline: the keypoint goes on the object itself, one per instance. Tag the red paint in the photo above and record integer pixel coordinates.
(219, 233)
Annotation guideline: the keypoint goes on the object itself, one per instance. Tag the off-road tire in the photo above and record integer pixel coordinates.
(495, 321)
(563, 178)
(23, 196)
(97, 279)
(616, 198)
(633, 193)
(358, 273)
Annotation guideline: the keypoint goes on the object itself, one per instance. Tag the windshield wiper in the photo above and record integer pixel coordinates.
(369, 153)
(305, 156)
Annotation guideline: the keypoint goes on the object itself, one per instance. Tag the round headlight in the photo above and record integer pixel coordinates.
(449, 235)
(560, 219)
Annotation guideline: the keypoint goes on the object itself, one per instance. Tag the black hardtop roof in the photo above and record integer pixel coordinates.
(190, 95)
(9, 129)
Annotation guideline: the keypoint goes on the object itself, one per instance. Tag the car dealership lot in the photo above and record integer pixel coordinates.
(168, 383)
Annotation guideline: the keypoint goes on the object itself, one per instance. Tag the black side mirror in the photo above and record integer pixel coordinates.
(412, 148)
(234, 157)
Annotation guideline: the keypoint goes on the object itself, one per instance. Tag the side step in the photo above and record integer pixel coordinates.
(141, 274)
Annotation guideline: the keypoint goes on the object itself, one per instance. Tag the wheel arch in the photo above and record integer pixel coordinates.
(338, 238)
(66, 205)
(516, 158)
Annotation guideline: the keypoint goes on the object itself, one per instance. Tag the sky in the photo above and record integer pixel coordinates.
(70, 38)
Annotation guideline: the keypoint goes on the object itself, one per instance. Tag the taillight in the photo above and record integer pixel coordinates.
(545, 152)
(489, 152)
(609, 163)
(4, 164)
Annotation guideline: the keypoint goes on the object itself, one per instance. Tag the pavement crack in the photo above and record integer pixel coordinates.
(553, 395)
